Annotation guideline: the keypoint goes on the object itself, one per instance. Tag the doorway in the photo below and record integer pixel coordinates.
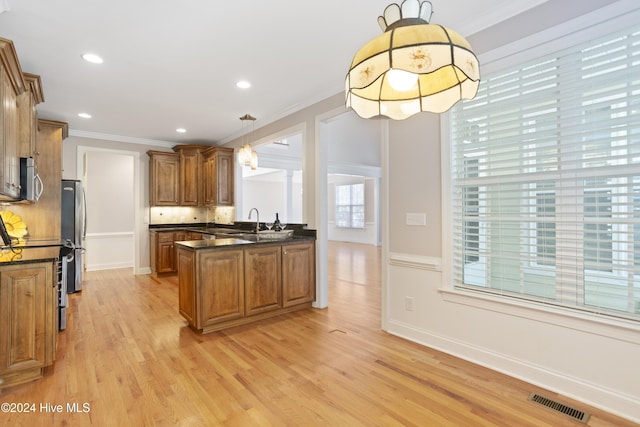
(349, 153)
(110, 181)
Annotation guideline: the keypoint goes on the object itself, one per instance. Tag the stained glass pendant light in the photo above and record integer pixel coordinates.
(413, 66)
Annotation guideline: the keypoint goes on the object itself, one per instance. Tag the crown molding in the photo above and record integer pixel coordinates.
(121, 138)
(498, 13)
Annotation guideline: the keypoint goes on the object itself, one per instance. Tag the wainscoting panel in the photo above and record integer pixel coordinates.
(109, 250)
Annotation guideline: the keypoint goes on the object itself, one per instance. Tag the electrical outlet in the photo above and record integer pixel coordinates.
(408, 303)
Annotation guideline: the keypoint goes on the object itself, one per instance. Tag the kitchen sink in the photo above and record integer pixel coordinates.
(275, 235)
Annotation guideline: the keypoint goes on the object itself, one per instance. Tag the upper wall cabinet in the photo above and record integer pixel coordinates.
(28, 116)
(164, 173)
(12, 85)
(20, 93)
(218, 176)
(194, 175)
(190, 174)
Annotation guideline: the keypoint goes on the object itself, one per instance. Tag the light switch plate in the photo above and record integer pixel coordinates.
(417, 219)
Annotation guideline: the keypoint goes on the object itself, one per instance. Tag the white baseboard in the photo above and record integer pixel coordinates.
(110, 266)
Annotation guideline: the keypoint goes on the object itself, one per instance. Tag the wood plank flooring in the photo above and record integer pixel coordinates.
(127, 358)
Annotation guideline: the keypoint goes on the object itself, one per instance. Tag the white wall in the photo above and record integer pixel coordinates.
(109, 189)
(268, 196)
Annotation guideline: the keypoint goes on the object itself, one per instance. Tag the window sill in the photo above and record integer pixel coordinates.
(611, 327)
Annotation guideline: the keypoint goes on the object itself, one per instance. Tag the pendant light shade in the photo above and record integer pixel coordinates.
(246, 155)
(413, 66)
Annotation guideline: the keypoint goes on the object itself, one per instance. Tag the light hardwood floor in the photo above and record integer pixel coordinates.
(128, 359)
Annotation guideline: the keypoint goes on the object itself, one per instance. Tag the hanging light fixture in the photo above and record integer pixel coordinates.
(413, 66)
(246, 155)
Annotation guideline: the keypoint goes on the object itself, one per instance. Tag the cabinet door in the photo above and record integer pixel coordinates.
(163, 179)
(10, 174)
(185, 260)
(209, 180)
(218, 177)
(27, 326)
(220, 297)
(262, 279)
(28, 116)
(298, 273)
(190, 161)
(224, 178)
(165, 262)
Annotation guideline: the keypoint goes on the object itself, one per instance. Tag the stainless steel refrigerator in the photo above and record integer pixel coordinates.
(74, 223)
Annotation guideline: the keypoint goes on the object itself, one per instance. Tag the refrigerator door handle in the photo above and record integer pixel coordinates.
(38, 186)
(84, 215)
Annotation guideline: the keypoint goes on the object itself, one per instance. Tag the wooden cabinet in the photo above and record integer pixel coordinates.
(185, 260)
(210, 286)
(162, 252)
(221, 293)
(164, 175)
(218, 179)
(166, 253)
(195, 175)
(298, 273)
(163, 249)
(9, 145)
(263, 279)
(19, 94)
(28, 117)
(190, 174)
(28, 321)
(219, 287)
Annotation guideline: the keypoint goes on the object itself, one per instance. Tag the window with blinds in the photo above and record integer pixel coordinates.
(545, 165)
(350, 206)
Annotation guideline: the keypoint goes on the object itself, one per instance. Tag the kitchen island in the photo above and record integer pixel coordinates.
(237, 279)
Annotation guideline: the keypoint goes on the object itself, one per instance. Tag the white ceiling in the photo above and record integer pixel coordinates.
(171, 64)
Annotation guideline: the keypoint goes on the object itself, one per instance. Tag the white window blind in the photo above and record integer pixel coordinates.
(350, 206)
(545, 168)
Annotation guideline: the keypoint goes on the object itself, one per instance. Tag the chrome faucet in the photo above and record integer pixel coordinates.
(257, 218)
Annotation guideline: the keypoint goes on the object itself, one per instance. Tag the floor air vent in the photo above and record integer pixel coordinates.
(574, 413)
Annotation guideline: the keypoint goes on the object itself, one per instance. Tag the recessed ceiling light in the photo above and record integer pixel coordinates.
(84, 115)
(181, 130)
(93, 58)
(243, 84)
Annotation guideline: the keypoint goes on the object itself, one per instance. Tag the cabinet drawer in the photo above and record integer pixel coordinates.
(165, 237)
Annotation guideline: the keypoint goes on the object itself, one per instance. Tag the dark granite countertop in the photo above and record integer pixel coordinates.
(29, 254)
(214, 243)
(232, 235)
(246, 239)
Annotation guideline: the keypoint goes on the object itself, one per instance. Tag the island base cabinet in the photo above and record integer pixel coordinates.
(28, 322)
(298, 274)
(220, 275)
(263, 289)
(185, 261)
(219, 288)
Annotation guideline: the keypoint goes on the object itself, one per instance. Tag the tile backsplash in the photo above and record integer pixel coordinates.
(191, 215)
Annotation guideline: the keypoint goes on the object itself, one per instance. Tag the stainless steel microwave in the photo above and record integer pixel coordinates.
(31, 186)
